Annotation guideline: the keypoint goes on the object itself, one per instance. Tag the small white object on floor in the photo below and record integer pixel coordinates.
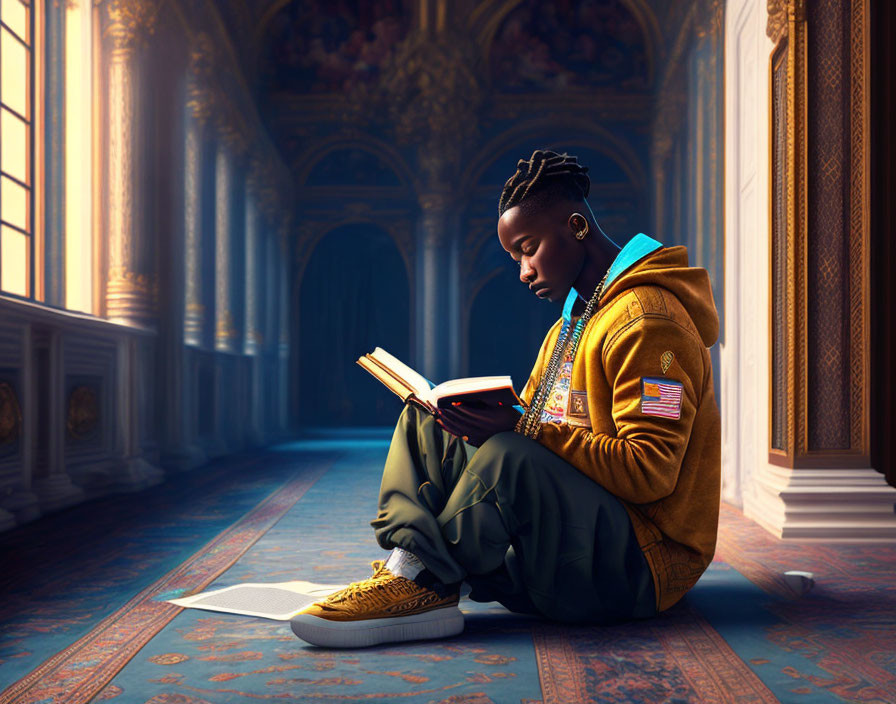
(405, 564)
(800, 582)
(279, 601)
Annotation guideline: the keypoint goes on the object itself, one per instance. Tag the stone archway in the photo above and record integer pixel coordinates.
(353, 296)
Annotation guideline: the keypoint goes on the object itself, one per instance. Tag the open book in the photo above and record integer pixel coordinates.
(413, 387)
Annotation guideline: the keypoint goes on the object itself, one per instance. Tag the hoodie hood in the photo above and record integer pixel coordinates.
(667, 267)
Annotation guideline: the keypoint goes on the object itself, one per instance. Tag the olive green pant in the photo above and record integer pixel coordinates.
(515, 521)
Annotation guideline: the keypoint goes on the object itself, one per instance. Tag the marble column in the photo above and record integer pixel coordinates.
(187, 313)
(199, 106)
(194, 311)
(272, 333)
(283, 336)
(252, 260)
(130, 283)
(262, 299)
(54, 155)
(438, 316)
(262, 330)
(226, 334)
(253, 339)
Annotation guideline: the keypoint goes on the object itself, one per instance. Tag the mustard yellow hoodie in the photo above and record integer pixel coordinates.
(641, 415)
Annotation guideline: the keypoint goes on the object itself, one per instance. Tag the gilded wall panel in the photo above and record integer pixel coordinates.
(819, 224)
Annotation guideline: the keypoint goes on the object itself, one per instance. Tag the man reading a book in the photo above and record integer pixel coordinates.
(600, 502)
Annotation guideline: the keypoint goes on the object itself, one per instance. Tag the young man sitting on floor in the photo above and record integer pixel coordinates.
(600, 503)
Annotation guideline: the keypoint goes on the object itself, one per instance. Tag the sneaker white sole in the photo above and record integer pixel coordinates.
(438, 623)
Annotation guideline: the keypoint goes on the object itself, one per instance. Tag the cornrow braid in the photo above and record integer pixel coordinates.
(543, 168)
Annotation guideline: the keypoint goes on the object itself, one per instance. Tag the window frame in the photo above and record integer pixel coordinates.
(34, 172)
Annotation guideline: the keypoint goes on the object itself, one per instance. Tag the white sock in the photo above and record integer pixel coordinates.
(402, 563)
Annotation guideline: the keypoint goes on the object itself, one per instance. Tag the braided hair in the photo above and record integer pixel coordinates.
(545, 174)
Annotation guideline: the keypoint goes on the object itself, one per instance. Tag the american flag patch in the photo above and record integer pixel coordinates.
(661, 397)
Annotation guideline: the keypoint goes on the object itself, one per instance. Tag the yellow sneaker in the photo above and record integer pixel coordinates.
(382, 609)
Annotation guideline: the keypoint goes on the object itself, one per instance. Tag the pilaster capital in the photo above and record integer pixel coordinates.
(435, 202)
(436, 221)
(129, 22)
(200, 94)
(709, 20)
(780, 14)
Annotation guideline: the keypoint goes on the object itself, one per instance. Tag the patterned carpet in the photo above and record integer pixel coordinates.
(82, 616)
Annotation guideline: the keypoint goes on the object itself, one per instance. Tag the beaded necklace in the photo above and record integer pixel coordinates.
(530, 421)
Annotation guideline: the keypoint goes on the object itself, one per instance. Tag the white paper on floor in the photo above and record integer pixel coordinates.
(279, 601)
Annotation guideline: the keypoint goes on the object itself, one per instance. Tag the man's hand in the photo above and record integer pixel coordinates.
(476, 423)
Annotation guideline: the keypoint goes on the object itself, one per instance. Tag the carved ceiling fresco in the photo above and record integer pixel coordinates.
(444, 80)
(555, 46)
(330, 46)
(324, 47)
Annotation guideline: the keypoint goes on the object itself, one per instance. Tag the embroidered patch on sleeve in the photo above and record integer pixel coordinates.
(661, 397)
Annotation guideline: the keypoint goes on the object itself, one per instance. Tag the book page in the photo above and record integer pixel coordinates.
(387, 377)
(279, 601)
(469, 384)
(416, 381)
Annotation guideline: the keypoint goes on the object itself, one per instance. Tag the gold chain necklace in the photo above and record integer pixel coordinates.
(529, 422)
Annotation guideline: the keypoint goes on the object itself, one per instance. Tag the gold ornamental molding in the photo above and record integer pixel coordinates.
(130, 22)
(432, 94)
(710, 20)
(83, 412)
(133, 283)
(788, 224)
(435, 202)
(818, 392)
(780, 14)
(131, 296)
(225, 330)
(200, 97)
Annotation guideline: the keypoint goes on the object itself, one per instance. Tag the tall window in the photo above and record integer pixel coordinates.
(79, 241)
(17, 70)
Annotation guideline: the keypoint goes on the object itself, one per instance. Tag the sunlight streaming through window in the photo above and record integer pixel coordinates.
(79, 251)
(15, 16)
(16, 241)
(14, 261)
(14, 155)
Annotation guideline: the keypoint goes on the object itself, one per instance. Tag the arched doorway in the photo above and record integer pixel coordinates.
(353, 296)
